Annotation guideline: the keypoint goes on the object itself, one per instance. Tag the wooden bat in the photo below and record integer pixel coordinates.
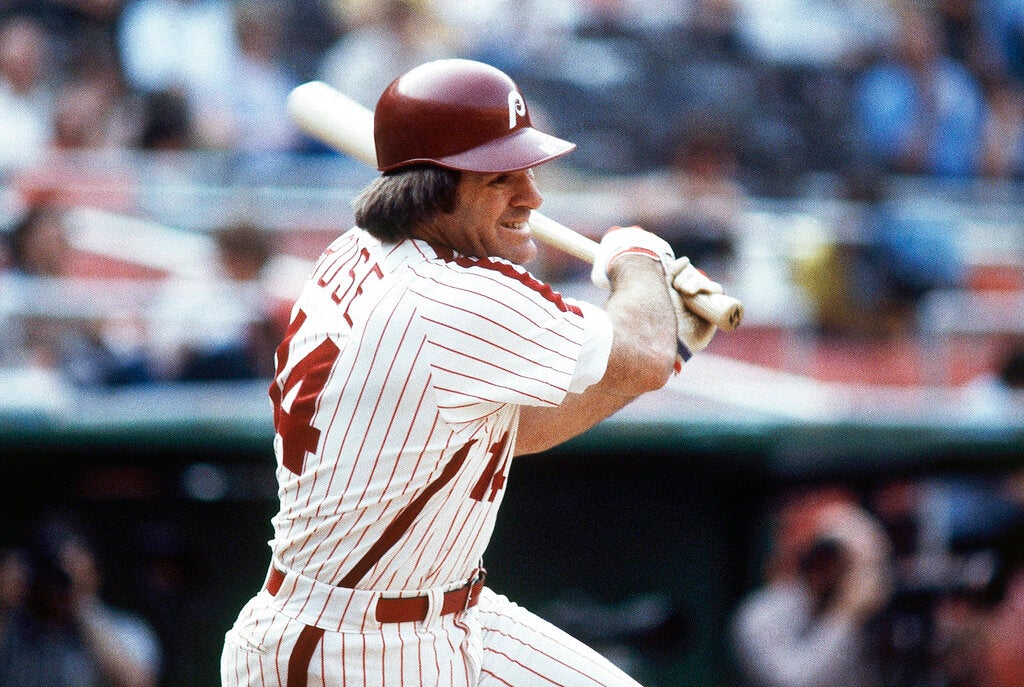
(330, 116)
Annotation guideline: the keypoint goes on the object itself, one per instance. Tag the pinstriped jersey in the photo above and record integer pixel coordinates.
(396, 400)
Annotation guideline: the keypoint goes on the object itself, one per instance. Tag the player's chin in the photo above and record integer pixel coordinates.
(517, 245)
(521, 254)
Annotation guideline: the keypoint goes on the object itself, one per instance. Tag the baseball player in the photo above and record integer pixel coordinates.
(420, 359)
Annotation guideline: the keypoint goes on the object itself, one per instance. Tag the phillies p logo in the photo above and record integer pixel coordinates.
(516, 108)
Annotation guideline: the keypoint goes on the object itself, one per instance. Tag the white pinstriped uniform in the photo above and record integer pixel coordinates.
(396, 404)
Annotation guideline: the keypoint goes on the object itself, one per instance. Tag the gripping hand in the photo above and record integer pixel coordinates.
(688, 280)
(693, 333)
(620, 241)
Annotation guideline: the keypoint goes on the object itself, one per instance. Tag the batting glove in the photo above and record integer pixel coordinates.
(693, 333)
(688, 280)
(620, 241)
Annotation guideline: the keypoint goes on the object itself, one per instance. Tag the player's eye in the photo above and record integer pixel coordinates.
(501, 179)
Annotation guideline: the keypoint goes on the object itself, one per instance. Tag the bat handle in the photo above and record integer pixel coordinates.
(724, 311)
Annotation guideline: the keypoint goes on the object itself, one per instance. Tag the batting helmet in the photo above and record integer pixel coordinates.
(462, 115)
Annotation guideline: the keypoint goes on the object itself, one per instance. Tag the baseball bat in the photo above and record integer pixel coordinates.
(328, 115)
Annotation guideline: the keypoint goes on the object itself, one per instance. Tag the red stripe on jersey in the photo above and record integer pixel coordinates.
(535, 397)
(497, 677)
(513, 332)
(518, 335)
(498, 367)
(302, 654)
(404, 520)
(522, 277)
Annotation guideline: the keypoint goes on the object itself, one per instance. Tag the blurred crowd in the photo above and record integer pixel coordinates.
(55, 626)
(685, 112)
(930, 87)
(913, 582)
(220, 323)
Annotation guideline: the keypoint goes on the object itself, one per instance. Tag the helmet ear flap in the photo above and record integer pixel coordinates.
(459, 114)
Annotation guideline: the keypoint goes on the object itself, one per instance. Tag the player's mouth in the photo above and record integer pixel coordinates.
(518, 227)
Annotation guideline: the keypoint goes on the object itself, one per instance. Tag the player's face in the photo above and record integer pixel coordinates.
(491, 214)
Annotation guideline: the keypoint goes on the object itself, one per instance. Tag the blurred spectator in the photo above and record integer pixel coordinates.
(869, 278)
(1002, 24)
(959, 548)
(85, 352)
(57, 630)
(76, 27)
(999, 395)
(88, 109)
(1003, 134)
(696, 201)
(521, 37)
(226, 326)
(828, 577)
(308, 29)
(26, 91)
(166, 122)
(809, 33)
(714, 24)
(1003, 651)
(236, 101)
(38, 242)
(84, 109)
(93, 111)
(1011, 372)
(151, 36)
(176, 599)
(260, 82)
(917, 110)
(963, 38)
(36, 247)
(382, 40)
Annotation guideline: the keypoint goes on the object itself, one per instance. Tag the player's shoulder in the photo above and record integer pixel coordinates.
(495, 278)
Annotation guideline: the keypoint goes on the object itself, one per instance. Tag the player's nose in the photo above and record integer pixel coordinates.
(527, 194)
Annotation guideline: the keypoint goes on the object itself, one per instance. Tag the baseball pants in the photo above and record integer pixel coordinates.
(301, 633)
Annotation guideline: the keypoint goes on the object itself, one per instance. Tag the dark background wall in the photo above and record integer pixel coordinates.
(638, 540)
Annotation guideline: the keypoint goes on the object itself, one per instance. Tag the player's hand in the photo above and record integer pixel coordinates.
(693, 333)
(688, 280)
(620, 241)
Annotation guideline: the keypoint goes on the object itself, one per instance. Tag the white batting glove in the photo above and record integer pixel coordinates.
(620, 241)
(693, 333)
(688, 280)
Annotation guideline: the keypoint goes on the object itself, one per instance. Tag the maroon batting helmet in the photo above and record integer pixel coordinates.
(459, 114)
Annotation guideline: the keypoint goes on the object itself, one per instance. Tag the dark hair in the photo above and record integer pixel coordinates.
(167, 121)
(824, 553)
(245, 238)
(394, 204)
(22, 231)
(1012, 370)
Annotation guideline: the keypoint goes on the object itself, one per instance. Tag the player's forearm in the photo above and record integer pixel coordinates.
(641, 360)
(644, 345)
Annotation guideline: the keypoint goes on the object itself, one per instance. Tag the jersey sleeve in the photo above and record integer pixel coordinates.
(597, 346)
(497, 336)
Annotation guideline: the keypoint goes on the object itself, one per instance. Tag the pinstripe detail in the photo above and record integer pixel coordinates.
(416, 422)
(476, 314)
(522, 277)
(497, 679)
(509, 370)
(400, 524)
(538, 399)
(311, 524)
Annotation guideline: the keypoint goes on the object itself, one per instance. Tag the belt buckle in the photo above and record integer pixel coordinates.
(478, 579)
